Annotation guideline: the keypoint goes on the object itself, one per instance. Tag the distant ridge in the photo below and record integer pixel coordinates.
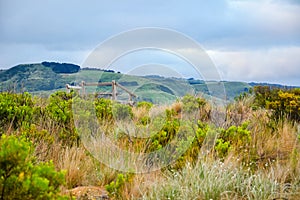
(47, 77)
(273, 85)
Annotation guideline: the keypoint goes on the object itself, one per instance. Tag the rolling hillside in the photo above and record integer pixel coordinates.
(35, 77)
(47, 77)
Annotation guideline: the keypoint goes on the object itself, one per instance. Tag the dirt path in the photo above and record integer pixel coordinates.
(88, 193)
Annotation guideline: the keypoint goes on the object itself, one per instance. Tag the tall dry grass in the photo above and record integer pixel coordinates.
(212, 179)
(81, 169)
(272, 169)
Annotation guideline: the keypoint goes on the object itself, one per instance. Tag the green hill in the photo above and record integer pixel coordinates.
(47, 77)
(36, 77)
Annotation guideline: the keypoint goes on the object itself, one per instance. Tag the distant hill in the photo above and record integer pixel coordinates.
(36, 77)
(47, 77)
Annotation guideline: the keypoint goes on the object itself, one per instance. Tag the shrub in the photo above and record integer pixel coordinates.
(145, 104)
(286, 103)
(283, 102)
(60, 107)
(59, 110)
(200, 132)
(115, 188)
(103, 108)
(192, 103)
(141, 113)
(16, 109)
(235, 138)
(166, 134)
(21, 178)
(122, 111)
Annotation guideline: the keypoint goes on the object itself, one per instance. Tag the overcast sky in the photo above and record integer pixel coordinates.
(248, 40)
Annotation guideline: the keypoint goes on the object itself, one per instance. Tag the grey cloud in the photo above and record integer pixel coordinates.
(35, 30)
(277, 65)
(73, 23)
(259, 24)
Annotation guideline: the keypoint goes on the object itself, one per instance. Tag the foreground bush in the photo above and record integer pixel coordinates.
(21, 177)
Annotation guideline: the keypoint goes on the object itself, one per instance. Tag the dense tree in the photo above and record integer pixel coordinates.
(62, 67)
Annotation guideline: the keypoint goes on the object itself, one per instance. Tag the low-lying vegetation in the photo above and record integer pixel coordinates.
(191, 149)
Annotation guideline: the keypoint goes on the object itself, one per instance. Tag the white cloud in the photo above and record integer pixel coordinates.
(277, 65)
(270, 17)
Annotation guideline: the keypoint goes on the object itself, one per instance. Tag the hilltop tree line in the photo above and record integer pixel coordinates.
(62, 67)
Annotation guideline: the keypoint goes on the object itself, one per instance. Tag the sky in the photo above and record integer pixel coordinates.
(247, 40)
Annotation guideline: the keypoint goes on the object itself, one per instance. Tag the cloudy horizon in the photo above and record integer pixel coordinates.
(247, 40)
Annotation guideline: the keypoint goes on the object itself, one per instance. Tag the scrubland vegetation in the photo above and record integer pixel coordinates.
(248, 149)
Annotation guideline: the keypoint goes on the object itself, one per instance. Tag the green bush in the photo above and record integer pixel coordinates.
(213, 139)
(60, 110)
(116, 187)
(166, 134)
(145, 104)
(16, 109)
(122, 111)
(21, 177)
(236, 138)
(192, 103)
(60, 107)
(222, 147)
(145, 119)
(33, 134)
(103, 108)
(195, 143)
(283, 102)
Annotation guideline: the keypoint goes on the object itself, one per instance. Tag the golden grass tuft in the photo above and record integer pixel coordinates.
(79, 166)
